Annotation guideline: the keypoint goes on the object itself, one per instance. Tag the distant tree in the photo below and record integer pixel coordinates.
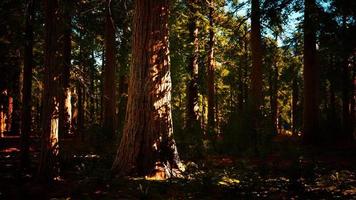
(211, 69)
(109, 95)
(193, 68)
(311, 76)
(147, 146)
(255, 95)
(49, 124)
(27, 85)
(65, 108)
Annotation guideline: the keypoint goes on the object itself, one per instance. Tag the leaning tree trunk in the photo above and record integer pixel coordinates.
(27, 85)
(211, 71)
(311, 77)
(147, 146)
(49, 124)
(109, 97)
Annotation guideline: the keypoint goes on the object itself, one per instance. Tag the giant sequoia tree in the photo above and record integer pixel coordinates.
(147, 145)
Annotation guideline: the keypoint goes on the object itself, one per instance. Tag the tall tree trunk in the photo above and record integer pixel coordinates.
(295, 99)
(74, 110)
(255, 96)
(255, 93)
(353, 101)
(274, 97)
(147, 146)
(49, 125)
(10, 109)
(27, 85)
(311, 77)
(16, 105)
(346, 92)
(15, 93)
(245, 66)
(80, 122)
(346, 102)
(211, 71)
(102, 89)
(109, 75)
(92, 72)
(192, 87)
(65, 97)
(2, 121)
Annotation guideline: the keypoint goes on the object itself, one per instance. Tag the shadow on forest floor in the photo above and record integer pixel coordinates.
(313, 174)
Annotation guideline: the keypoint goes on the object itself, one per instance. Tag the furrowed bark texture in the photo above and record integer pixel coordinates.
(147, 144)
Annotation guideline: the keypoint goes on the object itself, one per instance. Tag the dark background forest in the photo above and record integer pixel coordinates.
(181, 99)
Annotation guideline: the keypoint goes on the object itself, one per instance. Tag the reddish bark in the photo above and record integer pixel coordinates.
(147, 146)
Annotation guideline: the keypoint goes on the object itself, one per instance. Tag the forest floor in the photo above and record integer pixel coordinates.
(322, 173)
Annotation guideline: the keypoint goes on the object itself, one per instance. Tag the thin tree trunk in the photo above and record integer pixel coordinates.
(102, 89)
(274, 98)
(109, 75)
(192, 87)
(245, 88)
(295, 99)
(27, 86)
(353, 102)
(211, 71)
(311, 77)
(256, 73)
(10, 109)
(346, 93)
(16, 101)
(2, 121)
(65, 98)
(147, 146)
(92, 72)
(346, 102)
(80, 124)
(74, 110)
